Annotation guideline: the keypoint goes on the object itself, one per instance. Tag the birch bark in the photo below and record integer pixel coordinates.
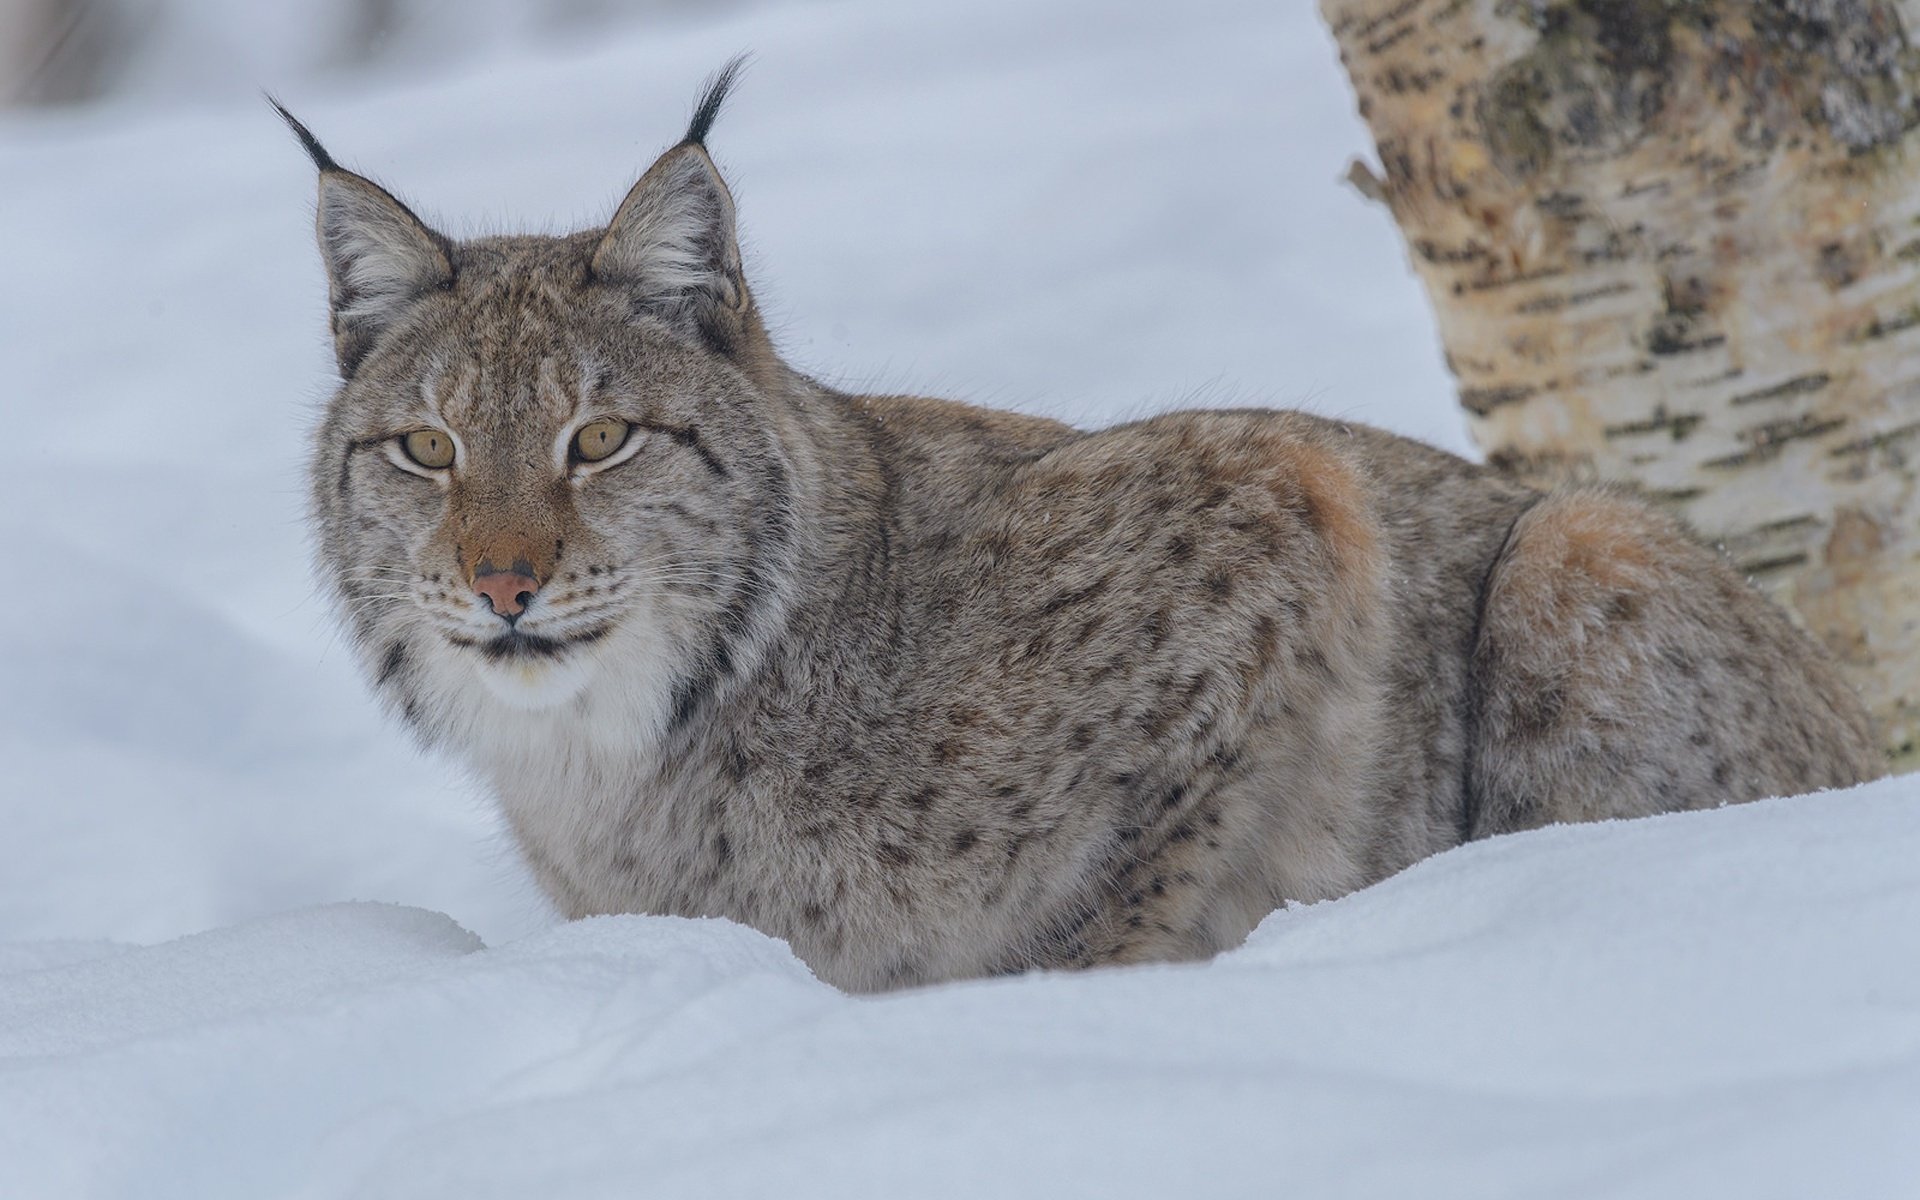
(1677, 243)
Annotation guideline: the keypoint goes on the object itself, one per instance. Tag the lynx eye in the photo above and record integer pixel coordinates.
(429, 448)
(599, 439)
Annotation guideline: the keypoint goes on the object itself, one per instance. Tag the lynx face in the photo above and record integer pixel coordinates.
(546, 451)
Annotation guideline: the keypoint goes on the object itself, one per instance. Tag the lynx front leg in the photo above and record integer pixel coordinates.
(1623, 669)
(1158, 897)
(1195, 878)
(1156, 912)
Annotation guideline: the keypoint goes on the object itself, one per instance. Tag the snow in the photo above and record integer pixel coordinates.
(1705, 1004)
(252, 944)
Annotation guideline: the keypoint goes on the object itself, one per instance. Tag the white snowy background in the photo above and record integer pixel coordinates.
(253, 945)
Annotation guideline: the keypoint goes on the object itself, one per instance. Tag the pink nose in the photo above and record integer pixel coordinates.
(508, 591)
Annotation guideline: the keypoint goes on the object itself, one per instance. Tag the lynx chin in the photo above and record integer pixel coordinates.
(932, 691)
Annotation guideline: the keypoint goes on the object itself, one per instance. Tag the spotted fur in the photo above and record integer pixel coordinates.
(933, 691)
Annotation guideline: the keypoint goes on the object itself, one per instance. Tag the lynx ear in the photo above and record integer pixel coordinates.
(379, 256)
(672, 246)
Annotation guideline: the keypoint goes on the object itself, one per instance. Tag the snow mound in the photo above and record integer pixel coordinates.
(1708, 1004)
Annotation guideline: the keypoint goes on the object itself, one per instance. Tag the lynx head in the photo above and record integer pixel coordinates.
(549, 451)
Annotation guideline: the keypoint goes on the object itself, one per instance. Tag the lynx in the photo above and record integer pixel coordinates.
(934, 692)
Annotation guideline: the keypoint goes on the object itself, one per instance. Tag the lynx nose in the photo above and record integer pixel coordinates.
(508, 591)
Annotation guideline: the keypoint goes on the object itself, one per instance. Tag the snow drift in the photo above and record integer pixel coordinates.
(1706, 1004)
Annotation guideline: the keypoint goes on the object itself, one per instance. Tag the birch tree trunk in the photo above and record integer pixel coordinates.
(1677, 243)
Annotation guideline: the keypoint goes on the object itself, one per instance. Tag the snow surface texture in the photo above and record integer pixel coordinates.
(1073, 207)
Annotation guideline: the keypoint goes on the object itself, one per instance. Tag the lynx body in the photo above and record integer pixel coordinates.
(932, 691)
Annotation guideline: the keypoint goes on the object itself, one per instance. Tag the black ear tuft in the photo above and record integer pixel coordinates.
(710, 100)
(379, 256)
(315, 151)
